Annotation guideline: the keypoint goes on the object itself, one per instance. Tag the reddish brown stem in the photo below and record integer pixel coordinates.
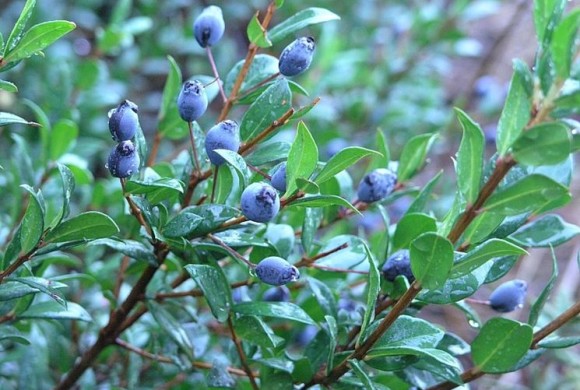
(242, 355)
(154, 149)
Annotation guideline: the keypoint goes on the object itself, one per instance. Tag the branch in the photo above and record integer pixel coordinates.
(242, 355)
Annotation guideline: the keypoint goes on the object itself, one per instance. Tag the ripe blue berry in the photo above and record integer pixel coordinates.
(224, 135)
(260, 202)
(277, 294)
(508, 296)
(278, 179)
(123, 160)
(399, 263)
(334, 146)
(377, 185)
(209, 26)
(192, 100)
(276, 271)
(297, 56)
(123, 121)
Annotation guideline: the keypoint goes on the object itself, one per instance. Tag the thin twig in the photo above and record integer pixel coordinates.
(248, 91)
(194, 148)
(216, 73)
(232, 252)
(307, 261)
(242, 355)
(154, 149)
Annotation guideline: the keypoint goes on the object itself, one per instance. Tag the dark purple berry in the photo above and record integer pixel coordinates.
(123, 160)
(224, 135)
(278, 179)
(399, 263)
(277, 294)
(276, 271)
(124, 121)
(377, 185)
(209, 26)
(260, 202)
(297, 56)
(508, 296)
(192, 100)
(334, 146)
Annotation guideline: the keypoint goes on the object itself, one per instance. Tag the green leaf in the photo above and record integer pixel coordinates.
(181, 225)
(565, 43)
(272, 152)
(19, 26)
(421, 200)
(556, 342)
(263, 66)
(413, 156)
(545, 144)
(410, 227)
(10, 119)
(268, 107)
(51, 310)
(171, 327)
(38, 37)
(62, 137)
(456, 289)
(372, 292)
(216, 289)
(68, 186)
(257, 34)
(255, 331)
(431, 259)
(302, 158)
(9, 332)
(547, 13)
(8, 86)
(131, 248)
(168, 116)
(323, 295)
(361, 374)
(516, 111)
(481, 227)
(237, 162)
(299, 20)
(322, 201)
(469, 157)
(86, 226)
(482, 253)
(282, 310)
(544, 295)
(45, 286)
(212, 216)
(410, 332)
(342, 160)
(312, 219)
(382, 158)
(307, 186)
(500, 344)
(526, 194)
(33, 221)
(549, 230)
(157, 190)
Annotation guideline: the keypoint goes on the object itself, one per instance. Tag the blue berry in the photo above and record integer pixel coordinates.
(276, 271)
(192, 100)
(277, 294)
(334, 146)
(306, 335)
(123, 160)
(278, 179)
(209, 26)
(508, 296)
(297, 56)
(347, 304)
(224, 135)
(260, 202)
(399, 263)
(123, 121)
(377, 185)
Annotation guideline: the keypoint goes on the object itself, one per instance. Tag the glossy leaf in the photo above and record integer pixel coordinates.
(171, 326)
(10, 119)
(411, 332)
(86, 226)
(431, 259)
(62, 137)
(525, 195)
(456, 289)
(372, 292)
(482, 226)
(564, 43)
(312, 219)
(68, 186)
(271, 152)
(212, 215)
(156, 190)
(282, 310)
(131, 248)
(263, 66)
(516, 111)
(500, 344)
(14, 288)
(32, 222)
(216, 289)
(254, 330)
(9, 332)
(555, 342)
(322, 201)
(302, 158)
(361, 374)
(382, 158)
(38, 37)
(181, 225)
(482, 253)
(324, 296)
(342, 160)
(538, 305)
(469, 157)
(411, 226)
(19, 26)
(544, 144)
(413, 156)
(257, 34)
(51, 310)
(298, 21)
(8, 86)
(547, 13)
(418, 205)
(237, 162)
(267, 108)
(168, 113)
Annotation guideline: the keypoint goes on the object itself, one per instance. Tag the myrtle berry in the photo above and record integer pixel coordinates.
(192, 100)
(209, 26)
(260, 202)
(347, 304)
(399, 263)
(276, 271)
(278, 179)
(123, 160)
(123, 121)
(306, 335)
(377, 185)
(297, 56)
(224, 135)
(334, 146)
(277, 294)
(508, 296)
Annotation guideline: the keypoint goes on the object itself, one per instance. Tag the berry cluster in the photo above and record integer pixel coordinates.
(124, 160)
